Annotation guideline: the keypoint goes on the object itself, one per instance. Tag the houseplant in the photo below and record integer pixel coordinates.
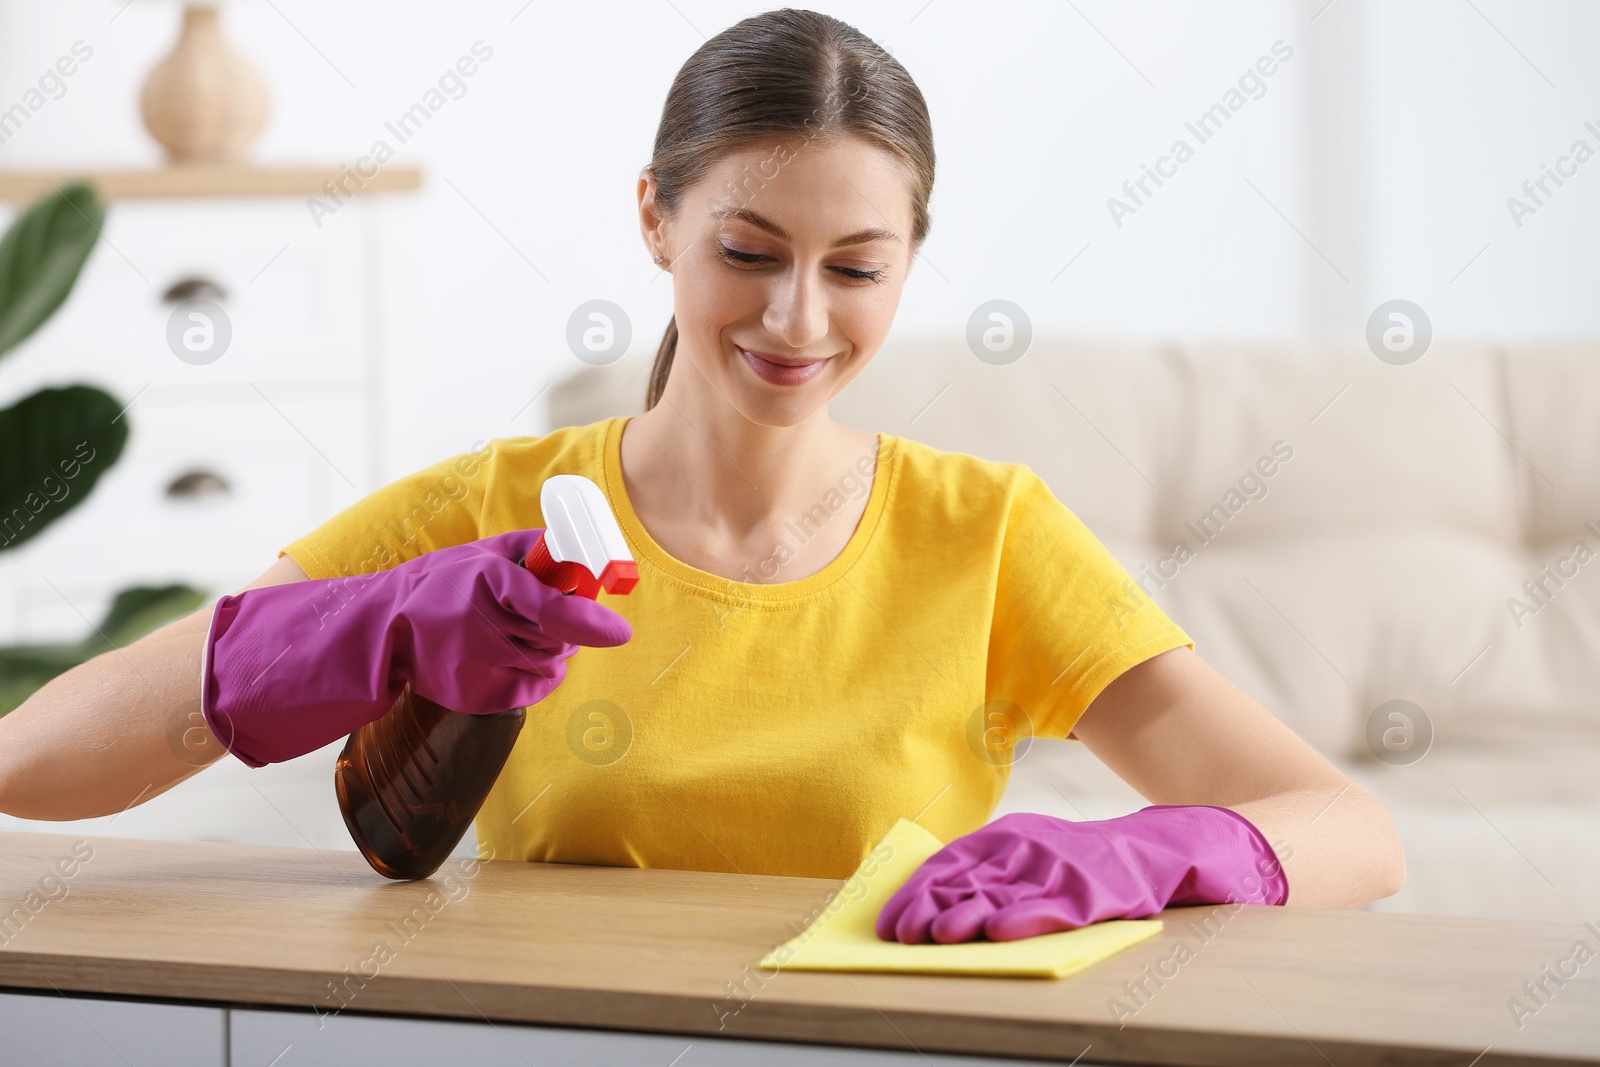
(59, 441)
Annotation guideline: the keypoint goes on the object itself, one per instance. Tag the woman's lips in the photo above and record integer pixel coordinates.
(780, 373)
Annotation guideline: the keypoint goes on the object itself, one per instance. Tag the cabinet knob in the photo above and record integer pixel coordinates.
(197, 483)
(193, 287)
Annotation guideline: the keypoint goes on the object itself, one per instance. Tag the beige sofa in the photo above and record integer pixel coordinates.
(1375, 563)
(1405, 506)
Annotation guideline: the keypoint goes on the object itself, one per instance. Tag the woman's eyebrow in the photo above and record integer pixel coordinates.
(860, 237)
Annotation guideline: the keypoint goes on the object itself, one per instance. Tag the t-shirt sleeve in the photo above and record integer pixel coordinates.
(435, 507)
(1068, 618)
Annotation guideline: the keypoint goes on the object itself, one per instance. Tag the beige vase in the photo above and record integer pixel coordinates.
(204, 102)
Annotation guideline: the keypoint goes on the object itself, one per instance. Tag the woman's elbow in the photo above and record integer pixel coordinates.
(1387, 874)
(1394, 869)
(16, 796)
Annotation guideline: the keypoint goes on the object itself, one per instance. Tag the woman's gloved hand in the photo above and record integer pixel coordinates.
(289, 668)
(1026, 874)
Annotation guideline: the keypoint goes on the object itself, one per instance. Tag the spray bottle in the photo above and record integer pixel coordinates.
(410, 783)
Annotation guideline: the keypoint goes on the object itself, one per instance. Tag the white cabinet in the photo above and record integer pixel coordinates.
(74, 1031)
(290, 415)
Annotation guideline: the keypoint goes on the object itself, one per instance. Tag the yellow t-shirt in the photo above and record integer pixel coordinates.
(781, 727)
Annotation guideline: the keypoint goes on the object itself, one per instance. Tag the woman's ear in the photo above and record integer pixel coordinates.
(652, 226)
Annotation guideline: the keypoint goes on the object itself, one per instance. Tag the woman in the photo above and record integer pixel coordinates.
(775, 693)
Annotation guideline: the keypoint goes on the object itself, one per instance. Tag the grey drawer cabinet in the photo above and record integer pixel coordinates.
(50, 1030)
(307, 1039)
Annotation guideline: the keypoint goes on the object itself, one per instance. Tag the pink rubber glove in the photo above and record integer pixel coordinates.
(1027, 874)
(289, 668)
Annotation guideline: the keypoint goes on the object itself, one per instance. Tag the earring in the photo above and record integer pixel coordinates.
(659, 259)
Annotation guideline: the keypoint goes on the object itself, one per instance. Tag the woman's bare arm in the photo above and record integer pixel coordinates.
(118, 729)
(1181, 733)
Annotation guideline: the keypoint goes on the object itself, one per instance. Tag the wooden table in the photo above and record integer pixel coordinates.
(239, 934)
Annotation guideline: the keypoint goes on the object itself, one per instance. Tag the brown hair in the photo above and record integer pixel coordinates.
(782, 73)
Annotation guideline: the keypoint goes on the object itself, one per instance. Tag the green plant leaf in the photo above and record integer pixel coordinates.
(49, 660)
(134, 612)
(41, 256)
(14, 690)
(138, 610)
(56, 443)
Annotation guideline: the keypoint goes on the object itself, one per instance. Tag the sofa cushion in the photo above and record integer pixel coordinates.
(1334, 531)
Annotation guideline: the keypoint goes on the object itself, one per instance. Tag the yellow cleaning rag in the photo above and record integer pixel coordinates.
(842, 937)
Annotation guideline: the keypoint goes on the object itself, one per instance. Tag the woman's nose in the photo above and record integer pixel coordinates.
(798, 309)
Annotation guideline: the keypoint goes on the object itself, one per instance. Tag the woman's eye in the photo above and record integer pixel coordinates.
(733, 255)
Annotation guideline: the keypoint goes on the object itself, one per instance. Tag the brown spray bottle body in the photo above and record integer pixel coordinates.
(410, 783)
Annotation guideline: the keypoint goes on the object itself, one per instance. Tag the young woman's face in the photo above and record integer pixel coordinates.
(793, 252)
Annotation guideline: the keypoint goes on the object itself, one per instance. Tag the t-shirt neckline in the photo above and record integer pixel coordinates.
(716, 586)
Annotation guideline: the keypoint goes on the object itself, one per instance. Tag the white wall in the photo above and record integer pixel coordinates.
(1038, 119)
(1375, 165)
(1435, 113)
